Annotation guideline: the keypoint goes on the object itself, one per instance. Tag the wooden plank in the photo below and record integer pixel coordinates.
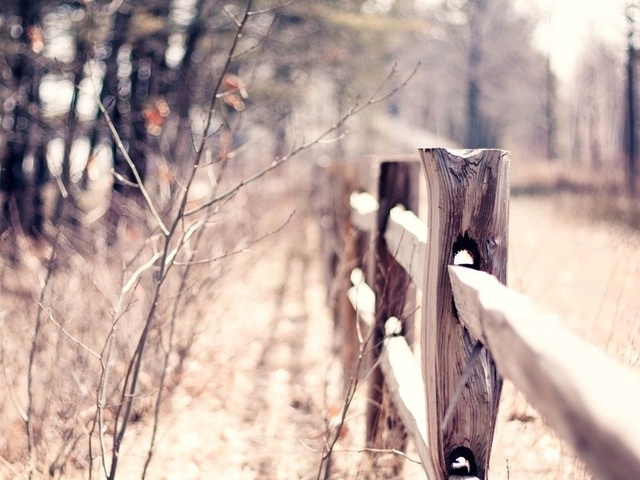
(406, 237)
(591, 401)
(468, 194)
(404, 379)
(364, 211)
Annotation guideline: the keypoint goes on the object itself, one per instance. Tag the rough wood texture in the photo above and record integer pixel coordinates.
(468, 193)
(587, 398)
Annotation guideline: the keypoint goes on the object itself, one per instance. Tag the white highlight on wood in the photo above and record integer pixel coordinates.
(392, 327)
(362, 297)
(406, 237)
(364, 210)
(408, 220)
(403, 377)
(463, 257)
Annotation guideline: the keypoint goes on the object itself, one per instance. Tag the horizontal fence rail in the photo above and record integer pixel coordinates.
(588, 399)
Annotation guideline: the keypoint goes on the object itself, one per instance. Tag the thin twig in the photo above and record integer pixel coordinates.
(241, 250)
(101, 392)
(393, 451)
(330, 443)
(32, 357)
(12, 396)
(139, 271)
(66, 333)
(132, 166)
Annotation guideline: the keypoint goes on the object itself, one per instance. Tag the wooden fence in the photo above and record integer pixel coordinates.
(472, 330)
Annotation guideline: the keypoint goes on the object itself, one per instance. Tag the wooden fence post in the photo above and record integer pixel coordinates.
(468, 193)
(398, 184)
(344, 248)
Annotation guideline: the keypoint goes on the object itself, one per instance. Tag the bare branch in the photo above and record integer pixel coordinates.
(141, 269)
(242, 250)
(127, 157)
(273, 9)
(332, 439)
(35, 342)
(66, 333)
(374, 99)
(14, 399)
(130, 383)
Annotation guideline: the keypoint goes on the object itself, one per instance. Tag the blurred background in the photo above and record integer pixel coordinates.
(553, 82)
(229, 290)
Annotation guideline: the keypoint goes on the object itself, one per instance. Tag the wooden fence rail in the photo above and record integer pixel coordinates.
(473, 329)
(589, 400)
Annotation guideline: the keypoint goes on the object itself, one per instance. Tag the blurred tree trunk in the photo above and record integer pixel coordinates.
(134, 71)
(631, 141)
(478, 128)
(116, 106)
(474, 123)
(66, 194)
(180, 84)
(139, 42)
(117, 94)
(22, 161)
(550, 111)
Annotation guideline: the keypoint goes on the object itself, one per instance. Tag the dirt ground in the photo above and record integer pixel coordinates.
(253, 399)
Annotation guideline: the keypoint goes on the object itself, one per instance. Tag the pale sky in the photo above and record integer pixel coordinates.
(568, 26)
(571, 23)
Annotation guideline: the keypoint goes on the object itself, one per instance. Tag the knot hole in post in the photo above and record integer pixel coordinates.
(462, 462)
(466, 252)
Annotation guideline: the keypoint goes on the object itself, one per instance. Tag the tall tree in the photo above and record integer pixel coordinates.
(550, 112)
(478, 126)
(596, 103)
(631, 140)
(22, 158)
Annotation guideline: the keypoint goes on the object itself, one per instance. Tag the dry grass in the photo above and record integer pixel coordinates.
(598, 195)
(72, 311)
(69, 331)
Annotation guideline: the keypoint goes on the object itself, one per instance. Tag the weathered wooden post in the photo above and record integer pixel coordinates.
(344, 248)
(398, 184)
(468, 193)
